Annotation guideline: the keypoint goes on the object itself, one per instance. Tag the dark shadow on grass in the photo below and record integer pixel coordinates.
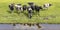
(43, 9)
(9, 12)
(26, 14)
(17, 12)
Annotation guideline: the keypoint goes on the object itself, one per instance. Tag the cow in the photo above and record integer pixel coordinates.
(38, 8)
(18, 7)
(47, 5)
(24, 7)
(11, 7)
(35, 7)
(31, 4)
(29, 12)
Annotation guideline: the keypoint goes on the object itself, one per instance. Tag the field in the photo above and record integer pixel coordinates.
(50, 15)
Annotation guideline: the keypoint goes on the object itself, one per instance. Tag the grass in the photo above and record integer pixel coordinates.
(50, 15)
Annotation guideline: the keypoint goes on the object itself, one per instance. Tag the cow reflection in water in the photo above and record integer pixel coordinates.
(26, 26)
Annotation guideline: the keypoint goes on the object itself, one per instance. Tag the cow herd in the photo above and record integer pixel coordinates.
(30, 8)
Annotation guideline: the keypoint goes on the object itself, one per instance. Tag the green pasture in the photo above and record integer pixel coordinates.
(50, 15)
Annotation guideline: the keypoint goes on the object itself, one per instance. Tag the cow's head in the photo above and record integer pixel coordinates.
(50, 4)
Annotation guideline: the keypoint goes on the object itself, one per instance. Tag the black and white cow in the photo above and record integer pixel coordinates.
(31, 4)
(35, 7)
(11, 7)
(38, 8)
(47, 5)
(29, 12)
(18, 7)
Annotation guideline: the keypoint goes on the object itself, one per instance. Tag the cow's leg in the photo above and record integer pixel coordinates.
(11, 10)
(21, 9)
(30, 15)
(38, 12)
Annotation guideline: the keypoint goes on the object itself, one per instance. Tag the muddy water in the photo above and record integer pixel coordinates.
(50, 26)
(6, 27)
(26, 27)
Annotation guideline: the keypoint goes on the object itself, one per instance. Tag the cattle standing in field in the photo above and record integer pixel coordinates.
(11, 6)
(38, 8)
(46, 5)
(29, 11)
(35, 7)
(18, 7)
(24, 7)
